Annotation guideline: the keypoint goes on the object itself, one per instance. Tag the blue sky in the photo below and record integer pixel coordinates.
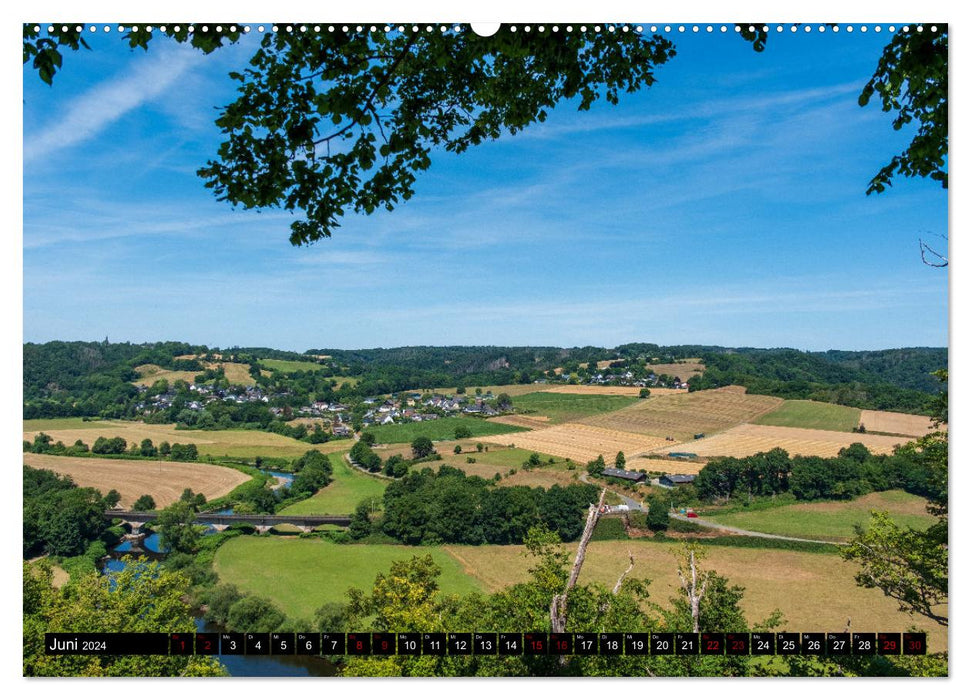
(724, 205)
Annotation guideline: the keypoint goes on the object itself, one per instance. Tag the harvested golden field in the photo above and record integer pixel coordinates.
(899, 423)
(217, 443)
(531, 422)
(236, 373)
(579, 442)
(539, 477)
(747, 439)
(685, 370)
(662, 391)
(668, 466)
(815, 592)
(149, 374)
(163, 481)
(593, 389)
(683, 415)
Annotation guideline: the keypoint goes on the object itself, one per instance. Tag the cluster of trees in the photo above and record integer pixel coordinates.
(226, 605)
(447, 506)
(64, 379)
(59, 517)
(897, 380)
(853, 473)
(94, 379)
(178, 452)
(363, 456)
(422, 450)
(144, 597)
(313, 472)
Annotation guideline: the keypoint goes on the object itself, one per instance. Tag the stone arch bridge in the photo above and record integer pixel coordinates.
(220, 521)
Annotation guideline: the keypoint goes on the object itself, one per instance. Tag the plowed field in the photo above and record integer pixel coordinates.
(748, 439)
(900, 423)
(683, 415)
(579, 442)
(163, 481)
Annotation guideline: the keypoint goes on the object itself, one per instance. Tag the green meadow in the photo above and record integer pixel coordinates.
(291, 365)
(812, 414)
(830, 520)
(441, 429)
(349, 487)
(300, 575)
(563, 408)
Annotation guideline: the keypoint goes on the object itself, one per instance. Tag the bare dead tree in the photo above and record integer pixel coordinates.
(559, 603)
(620, 581)
(692, 589)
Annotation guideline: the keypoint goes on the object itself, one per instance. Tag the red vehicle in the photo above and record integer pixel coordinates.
(691, 514)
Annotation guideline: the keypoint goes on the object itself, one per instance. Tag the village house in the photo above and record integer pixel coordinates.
(671, 480)
(635, 477)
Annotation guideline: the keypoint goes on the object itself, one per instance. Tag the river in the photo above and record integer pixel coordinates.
(265, 666)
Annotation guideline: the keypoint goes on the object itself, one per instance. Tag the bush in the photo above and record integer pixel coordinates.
(144, 502)
(658, 518)
(610, 529)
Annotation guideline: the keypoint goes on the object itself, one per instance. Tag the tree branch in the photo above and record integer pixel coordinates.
(924, 249)
(369, 103)
(559, 602)
(624, 575)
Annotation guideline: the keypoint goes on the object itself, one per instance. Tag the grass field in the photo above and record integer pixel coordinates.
(290, 365)
(599, 390)
(815, 592)
(831, 520)
(899, 423)
(580, 442)
(496, 389)
(149, 374)
(441, 429)
(541, 476)
(349, 487)
(683, 415)
(562, 408)
(685, 370)
(748, 439)
(245, 444)
(812, 414)
(163, 481)
(300, 575)
(236, 373)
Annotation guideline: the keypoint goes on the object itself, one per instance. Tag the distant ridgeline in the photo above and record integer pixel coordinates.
(897, 380)
(99, 378)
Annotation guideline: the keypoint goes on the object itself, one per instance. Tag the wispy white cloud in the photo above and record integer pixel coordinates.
(92, 112)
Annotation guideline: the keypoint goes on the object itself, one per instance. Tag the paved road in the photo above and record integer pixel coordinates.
(636, 505)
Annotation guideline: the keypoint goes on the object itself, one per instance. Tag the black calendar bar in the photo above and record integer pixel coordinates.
(108, 644)
(488, 643)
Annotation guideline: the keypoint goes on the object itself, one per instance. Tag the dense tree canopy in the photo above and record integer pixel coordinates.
(105, 604)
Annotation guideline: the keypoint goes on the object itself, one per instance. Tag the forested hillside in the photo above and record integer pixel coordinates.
(96, 379)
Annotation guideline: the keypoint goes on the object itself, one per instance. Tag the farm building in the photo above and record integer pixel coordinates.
(672, 480)
(636, 477)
